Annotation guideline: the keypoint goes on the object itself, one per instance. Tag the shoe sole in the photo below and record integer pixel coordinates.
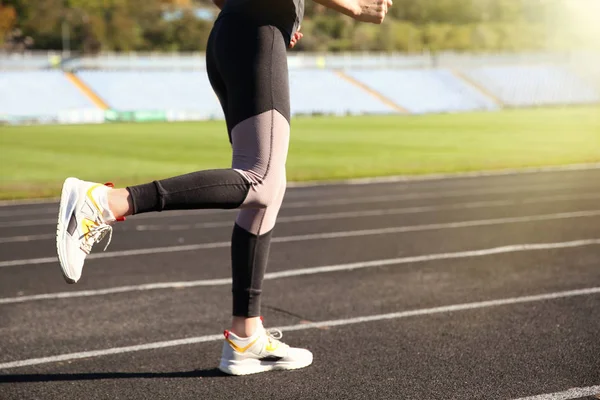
(252, 366)
(67, 204)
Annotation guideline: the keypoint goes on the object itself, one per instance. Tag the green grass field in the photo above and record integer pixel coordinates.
(36, 159)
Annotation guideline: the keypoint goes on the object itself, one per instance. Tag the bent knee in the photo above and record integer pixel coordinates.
(266, 192)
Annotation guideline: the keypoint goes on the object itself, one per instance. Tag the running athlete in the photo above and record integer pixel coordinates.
(247, 68)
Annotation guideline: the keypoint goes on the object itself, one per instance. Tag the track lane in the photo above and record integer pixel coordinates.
(128, 318)
(214, 263)
(466, 354)
(290, 226)
(505, 352)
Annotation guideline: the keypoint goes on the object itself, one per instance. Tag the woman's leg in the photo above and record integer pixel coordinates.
(249, 75)
(252, 63)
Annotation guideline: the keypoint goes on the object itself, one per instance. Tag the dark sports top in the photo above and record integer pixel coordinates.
(284, 14)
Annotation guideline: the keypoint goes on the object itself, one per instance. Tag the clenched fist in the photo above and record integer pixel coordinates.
(297, 36)
(373, 11)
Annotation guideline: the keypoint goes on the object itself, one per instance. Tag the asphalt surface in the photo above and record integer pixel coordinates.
(411, 274)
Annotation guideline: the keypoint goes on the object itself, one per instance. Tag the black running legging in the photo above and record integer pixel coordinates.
(247, 67)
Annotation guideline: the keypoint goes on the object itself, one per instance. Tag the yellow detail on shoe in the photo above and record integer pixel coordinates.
(272, 346)
(89, 195)
(86, 226)
(241, 349)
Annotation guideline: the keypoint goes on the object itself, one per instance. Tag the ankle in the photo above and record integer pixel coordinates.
(120, 203)
(244, 326)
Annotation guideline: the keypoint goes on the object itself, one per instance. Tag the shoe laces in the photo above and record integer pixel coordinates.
(273, 337)
(274, 333)
(95, 235)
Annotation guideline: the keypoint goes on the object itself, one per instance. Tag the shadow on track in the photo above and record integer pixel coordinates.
(92, 376)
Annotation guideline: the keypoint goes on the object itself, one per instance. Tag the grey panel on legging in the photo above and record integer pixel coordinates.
(260, 147)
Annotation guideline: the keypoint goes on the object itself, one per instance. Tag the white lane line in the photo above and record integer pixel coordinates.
(451, 175)
(330, 202)
(312, 325)
(307, 271)
(573, 393)
(338, 215)
(439, 226)
(379, 212)
(27, 238)
(313, 217)
(40, 211)
(105, 352)
(301, 193)
(435, 194)
(122, 253)
(120, 289)
(317, 236)
(27, 222)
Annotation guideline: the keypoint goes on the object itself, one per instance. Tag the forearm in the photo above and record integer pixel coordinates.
(373, 11)
(347, 7)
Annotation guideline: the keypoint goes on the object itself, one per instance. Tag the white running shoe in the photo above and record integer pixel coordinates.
(83, 219)
(261, 352)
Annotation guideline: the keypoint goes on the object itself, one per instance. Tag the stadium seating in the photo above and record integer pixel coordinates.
(424, 91)
(41, 94)
(316, 91)
(521, 86)
(155, 90)
(190, 91)
(177, 87)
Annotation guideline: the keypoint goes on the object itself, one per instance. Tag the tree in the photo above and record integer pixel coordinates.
(411, 26)
(8, 17)
(190, 33)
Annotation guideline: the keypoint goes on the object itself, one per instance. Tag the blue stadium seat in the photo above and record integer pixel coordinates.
(521, 86)
(39, 93)
(425, 91)
(312, 91)
(155, 90)
(322, 91)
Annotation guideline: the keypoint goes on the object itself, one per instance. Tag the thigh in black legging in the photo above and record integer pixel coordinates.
(247, 67)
